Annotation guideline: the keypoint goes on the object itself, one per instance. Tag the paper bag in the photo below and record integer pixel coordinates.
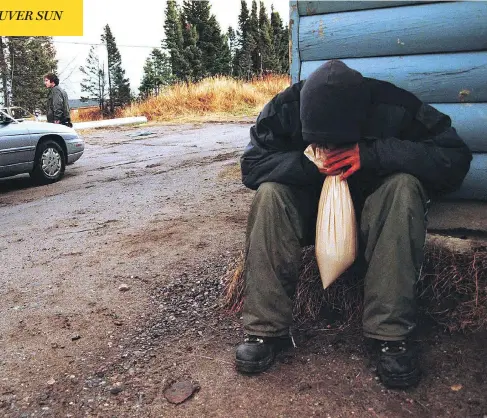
(336, 226)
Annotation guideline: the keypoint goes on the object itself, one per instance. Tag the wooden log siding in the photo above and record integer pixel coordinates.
(308, 8)
(437, 50)
(475, 184)
(470, 121)
(295, 64)
(420, 29)
(438, 78)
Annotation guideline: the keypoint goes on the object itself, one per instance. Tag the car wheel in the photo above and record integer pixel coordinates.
(49, 164)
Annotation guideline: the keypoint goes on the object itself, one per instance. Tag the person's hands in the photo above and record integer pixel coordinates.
(338, 159)
(56, 121)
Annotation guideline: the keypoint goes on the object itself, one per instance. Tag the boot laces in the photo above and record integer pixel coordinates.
(254, 339)
(393, 346)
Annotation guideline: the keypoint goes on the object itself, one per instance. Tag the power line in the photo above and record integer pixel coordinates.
(66, 66)
(98, 44)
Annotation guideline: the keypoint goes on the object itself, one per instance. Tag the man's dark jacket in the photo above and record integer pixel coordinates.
(400, 134)
(58, 105)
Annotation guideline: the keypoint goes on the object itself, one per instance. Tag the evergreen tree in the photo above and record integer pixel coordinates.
(218, 47)
(255, 35)
(232, 48)
(280, 37)
(174, 40)
(243, 57)
(223, 62)
(193, 57)
(269, 60)
(25, 60)
(212, 44)
(157, 73)
(94, 80)
(18, 59)
(118, 85)
(194, 20)
(244, 20)
(284, 50)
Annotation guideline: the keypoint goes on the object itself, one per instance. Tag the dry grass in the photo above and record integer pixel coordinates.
(91, 114)
(216, 99)
(452, 289)
(86, 115)
(231, 172)
(212, 99)
(456, 283)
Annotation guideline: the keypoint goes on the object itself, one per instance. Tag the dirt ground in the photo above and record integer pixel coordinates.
(111, 282)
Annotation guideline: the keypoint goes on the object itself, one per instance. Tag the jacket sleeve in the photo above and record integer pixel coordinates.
(431, 150)
(275, 152)
(57, 104)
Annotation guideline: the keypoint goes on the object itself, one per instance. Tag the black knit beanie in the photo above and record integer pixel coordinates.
(334, 103)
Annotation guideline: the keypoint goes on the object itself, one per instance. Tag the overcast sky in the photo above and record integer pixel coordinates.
(137, 29)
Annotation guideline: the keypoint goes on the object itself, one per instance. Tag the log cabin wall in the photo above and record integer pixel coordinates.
(437, 50)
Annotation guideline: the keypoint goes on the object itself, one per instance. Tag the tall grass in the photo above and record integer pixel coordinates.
(90, 114)
(212, 99)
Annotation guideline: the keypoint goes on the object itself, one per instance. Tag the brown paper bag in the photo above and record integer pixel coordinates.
(336, 226)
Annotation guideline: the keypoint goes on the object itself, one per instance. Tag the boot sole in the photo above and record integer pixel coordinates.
(403, 381)
(253, 367)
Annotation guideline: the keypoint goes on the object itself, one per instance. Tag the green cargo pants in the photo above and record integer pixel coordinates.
(392, 232)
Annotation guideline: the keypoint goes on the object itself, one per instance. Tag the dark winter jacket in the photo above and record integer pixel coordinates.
(399, 134)
(57, 105)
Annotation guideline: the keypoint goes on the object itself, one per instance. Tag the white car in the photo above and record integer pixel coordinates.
(41, 149)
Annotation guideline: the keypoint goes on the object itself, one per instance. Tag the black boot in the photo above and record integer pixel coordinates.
(256, 354)
(398, 365)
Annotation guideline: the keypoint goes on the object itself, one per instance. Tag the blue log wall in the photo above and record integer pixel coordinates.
(435, 78)
(421, 29)
(437, 50)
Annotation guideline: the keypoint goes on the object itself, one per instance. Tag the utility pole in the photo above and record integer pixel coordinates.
(109, 81)
(101, 92)
(261, 67)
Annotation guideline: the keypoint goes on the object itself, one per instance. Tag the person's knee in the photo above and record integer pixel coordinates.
(271, 194)
(404, 181)
(405, 189)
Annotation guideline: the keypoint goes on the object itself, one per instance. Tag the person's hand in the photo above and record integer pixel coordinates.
(338, 159)
(56, 121)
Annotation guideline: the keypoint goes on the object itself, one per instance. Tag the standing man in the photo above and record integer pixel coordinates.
(395, 152)
(57, 101)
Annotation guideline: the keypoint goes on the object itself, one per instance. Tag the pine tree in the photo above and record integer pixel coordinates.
(212, 44)
(194, 18)
(19, 70)
(254, 34)
(118, 85)
(269, 60)
(217, 48)
(232, 46)
(243, 57)
(192, 55)
(174, 40)
(162, 69)
(157, 73)
(280, 37)
(25, 60)
(94, 80)
(284, 50)
(223, 62)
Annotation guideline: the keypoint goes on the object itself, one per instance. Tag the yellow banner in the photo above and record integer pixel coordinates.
(41, 17)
